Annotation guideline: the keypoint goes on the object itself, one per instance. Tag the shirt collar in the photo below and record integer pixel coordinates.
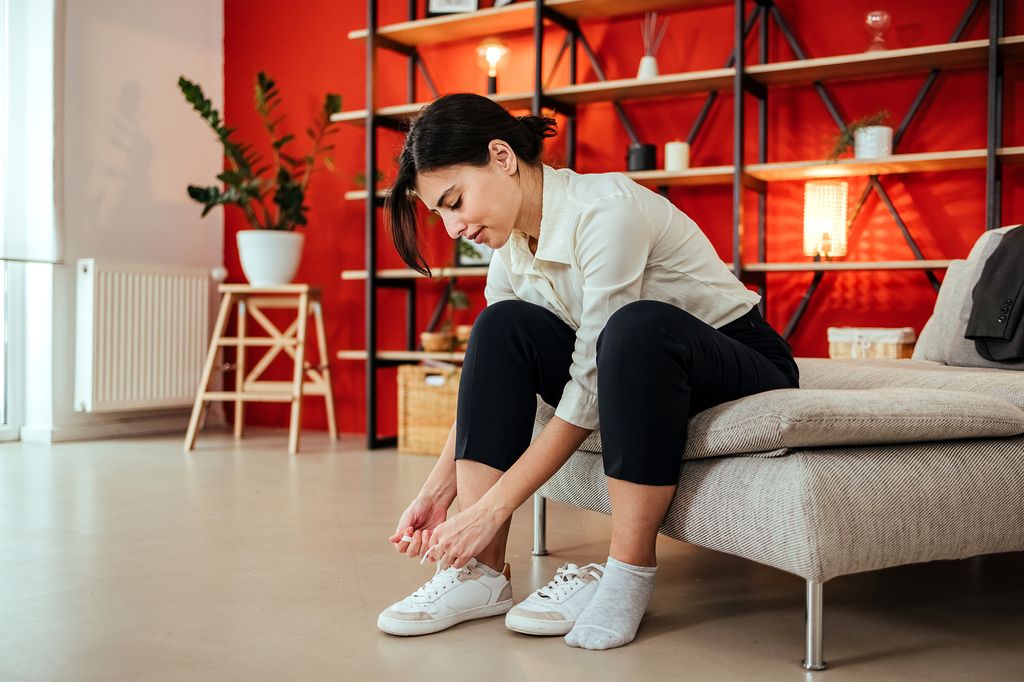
(553, 244)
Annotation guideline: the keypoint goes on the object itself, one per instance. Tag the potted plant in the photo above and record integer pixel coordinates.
(869, 138)
(443, 339)
(271, 250)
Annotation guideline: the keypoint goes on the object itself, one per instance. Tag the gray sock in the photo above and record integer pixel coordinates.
(613, 615)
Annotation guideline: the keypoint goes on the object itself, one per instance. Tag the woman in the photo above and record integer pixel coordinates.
(608, 302)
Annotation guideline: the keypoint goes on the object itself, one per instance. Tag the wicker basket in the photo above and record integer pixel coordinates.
(871, 342)
(427, 397)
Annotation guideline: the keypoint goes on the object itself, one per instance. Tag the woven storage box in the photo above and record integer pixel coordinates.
(871, 342)
(427, 397)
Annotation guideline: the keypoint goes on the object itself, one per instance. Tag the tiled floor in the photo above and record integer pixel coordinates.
(129, 560)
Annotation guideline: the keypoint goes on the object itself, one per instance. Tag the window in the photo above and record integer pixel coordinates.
(28, 225)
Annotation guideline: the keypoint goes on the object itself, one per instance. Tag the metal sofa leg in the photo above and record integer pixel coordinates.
(812, 619)
(539, 525)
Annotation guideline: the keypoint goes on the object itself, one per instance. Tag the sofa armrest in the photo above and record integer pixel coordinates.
(825, 373)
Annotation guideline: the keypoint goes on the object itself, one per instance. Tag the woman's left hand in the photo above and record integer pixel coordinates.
(463, 536)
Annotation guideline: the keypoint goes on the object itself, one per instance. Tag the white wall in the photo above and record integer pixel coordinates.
(128, 146)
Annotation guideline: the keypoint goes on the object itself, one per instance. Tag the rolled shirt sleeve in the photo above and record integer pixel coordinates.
(611, 247)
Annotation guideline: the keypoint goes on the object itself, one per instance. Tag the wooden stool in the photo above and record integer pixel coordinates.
(254, 300)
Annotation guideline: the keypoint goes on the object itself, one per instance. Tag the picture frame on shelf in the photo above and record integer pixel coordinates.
(436, 7)
(470, 254)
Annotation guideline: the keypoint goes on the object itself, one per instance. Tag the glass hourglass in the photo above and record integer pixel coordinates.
(877, 22)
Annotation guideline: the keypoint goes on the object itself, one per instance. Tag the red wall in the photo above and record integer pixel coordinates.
(304, 47)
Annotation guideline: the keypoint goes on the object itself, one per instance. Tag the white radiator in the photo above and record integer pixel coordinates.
(140, 335)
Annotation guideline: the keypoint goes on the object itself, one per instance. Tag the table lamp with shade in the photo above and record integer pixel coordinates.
(825, 218)
(492, 53)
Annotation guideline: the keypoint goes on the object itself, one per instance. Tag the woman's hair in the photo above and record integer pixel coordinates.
(454, 130)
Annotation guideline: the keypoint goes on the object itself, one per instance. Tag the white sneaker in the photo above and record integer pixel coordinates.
(450, 597)
(554, 608)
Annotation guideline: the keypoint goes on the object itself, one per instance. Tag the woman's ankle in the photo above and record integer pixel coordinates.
(494, 562)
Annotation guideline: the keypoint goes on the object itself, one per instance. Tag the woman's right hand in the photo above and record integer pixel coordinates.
(418, 521)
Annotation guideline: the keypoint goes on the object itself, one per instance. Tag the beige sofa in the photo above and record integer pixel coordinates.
(870, 464)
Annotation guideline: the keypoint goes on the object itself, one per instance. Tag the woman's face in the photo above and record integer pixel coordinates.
(480, 203)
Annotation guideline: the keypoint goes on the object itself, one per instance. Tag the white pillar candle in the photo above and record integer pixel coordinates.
(677, 155)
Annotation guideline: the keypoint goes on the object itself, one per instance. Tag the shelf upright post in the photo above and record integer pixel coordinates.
(570, 127)
(993, 167)
(372, 441)
(762, 157)
(538, 51)
(737, 181)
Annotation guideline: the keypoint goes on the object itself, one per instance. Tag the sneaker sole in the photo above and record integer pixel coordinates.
(412, 628)
(531, 626)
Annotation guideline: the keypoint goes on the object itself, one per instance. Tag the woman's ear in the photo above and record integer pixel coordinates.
(503, 157)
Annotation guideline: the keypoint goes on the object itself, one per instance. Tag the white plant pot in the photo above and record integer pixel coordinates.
(269, 257)
(648, 67)
(872, 142)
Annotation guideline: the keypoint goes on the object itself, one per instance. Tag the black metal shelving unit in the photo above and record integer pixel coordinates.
(746, 79)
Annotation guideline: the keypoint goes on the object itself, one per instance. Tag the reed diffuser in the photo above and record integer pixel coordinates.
(652, 34)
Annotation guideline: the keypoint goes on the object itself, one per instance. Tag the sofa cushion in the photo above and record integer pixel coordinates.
(824, 512)
(769, 424)
(825, 373)
(942, 338)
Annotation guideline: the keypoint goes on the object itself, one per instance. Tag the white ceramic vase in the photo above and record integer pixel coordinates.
(648, 67)
(872, 142)
(269, 257)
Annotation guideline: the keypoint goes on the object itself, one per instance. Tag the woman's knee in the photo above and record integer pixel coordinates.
(501, 317)
(641, 326)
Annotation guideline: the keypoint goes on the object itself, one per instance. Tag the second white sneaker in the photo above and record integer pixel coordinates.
(554, 608)
(450, 597)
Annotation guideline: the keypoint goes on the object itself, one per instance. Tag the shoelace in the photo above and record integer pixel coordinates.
(442, 579)
(568, 578)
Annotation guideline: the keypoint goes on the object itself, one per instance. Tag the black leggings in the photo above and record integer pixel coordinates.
(658, 365)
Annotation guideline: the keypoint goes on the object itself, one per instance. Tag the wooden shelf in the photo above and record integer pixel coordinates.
(360, 194)
(409, 273)
(966, 54)
(401, 112)
(516, 17)
(691, 177)
(631, 88)
(959, 159)
(401, 355)
(810, 266)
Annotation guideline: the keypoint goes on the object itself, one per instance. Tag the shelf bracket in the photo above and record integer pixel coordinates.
(802, 306)
(389, 123)
(556, 17)
(754, 87)
(394, 46)
(873, 181)
(617, 106)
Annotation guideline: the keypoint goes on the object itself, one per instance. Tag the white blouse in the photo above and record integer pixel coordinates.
(606, 241)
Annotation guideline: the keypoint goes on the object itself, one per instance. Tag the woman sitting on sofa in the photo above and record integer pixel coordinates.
(608, 302)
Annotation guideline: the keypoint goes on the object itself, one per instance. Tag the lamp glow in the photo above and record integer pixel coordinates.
(492, 54)
(825, 218)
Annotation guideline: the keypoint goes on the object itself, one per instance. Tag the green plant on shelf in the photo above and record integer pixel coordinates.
(360, 179)
(249, 183)
(466, 250)
(844, 140)
(457, 300)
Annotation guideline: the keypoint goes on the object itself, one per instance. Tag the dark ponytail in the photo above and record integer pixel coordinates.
(454, 130)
